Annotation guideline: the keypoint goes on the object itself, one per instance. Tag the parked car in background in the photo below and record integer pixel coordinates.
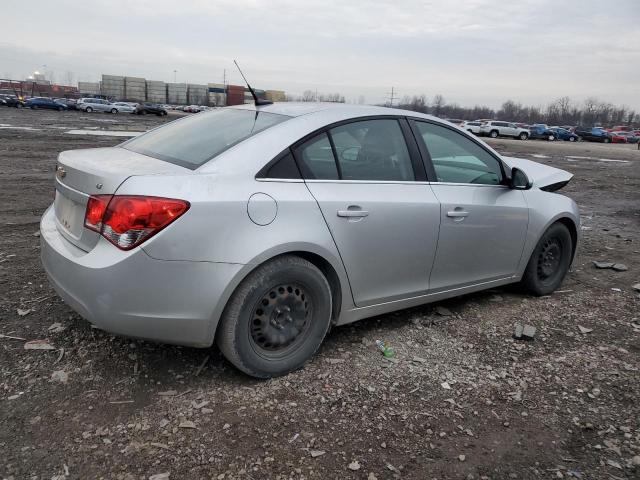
(96, 105)
(455, 121)
(631, 137)
(153, 108)
(594, 134)
(540, 131)
(495, 129)
(617, 137)
(69, 102)
(13, 101)
(125, 107)
(564, 134)
(44, 102)
(620, 128)
(191, 109)
(473, 127)
(258, 228)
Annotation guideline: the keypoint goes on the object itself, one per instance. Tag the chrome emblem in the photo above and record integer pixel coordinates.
(61, 172)
(98, 186)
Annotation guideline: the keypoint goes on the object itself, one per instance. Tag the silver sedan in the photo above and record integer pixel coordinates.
(260, 227)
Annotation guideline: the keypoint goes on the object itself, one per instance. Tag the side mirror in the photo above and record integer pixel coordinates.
(519, 180)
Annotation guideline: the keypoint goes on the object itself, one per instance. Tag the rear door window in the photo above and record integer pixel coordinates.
(372, 150)
(316, 159)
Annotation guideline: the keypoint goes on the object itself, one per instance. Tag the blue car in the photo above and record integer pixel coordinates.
(542, 132)
(564, 134)
(43, 102)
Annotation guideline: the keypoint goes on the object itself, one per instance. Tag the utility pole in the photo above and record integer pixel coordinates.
(391, 96)
(224, 78)
(175, 76)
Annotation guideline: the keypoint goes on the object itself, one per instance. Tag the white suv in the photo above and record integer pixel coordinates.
(473, 127)
(96, 105)
(496, 129)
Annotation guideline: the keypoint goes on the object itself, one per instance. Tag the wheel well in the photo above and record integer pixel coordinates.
(330, 274)
(567, 222)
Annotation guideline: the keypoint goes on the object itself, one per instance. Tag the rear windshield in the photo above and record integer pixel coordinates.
(193, 141)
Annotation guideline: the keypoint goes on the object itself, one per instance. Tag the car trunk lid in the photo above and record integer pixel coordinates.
(96, 171)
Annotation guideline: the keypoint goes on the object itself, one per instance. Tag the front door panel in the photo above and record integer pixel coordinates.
(386, 234)
(482, 234)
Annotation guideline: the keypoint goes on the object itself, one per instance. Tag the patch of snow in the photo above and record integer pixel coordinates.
(104, 133)
(539, 155)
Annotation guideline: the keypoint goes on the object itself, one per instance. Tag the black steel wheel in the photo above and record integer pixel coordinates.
(277, 317)
(549, 262)
(280, 319)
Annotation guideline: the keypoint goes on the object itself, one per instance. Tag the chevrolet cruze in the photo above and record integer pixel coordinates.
(260, 227)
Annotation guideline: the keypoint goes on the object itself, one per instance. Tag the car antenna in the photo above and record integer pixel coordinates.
(256, 100)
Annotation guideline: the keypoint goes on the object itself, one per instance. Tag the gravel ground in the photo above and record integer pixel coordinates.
(461, 399)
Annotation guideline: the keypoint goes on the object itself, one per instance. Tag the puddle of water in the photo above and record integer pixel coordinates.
(104, 133)
(539, 155)
(10, 127)
(612, 160)
(579, 157)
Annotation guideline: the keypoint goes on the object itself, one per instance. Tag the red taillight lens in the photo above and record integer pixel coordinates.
(128, 220)
(96, 207)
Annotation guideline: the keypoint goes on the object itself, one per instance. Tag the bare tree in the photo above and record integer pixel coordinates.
(438, 103)
(308, 96)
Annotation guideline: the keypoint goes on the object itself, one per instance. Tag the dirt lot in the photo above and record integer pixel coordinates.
(462, 399)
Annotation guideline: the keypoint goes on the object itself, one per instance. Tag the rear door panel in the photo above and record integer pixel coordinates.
(387, 254)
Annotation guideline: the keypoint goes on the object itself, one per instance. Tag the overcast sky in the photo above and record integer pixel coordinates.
(470, 51)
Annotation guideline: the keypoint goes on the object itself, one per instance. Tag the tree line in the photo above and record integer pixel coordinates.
(562, 111)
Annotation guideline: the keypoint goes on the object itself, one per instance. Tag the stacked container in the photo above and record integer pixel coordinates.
(89, 88)
(235, 95)
(113, 87)
(177, 93)
(135, 89)
(197, 94)
(156, 91)
(217, 95)
(275, 95)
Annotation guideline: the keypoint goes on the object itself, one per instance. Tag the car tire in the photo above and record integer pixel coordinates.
(606, 140)
(287, 300)
(34, 107)
(114, 110)
(572, 139)
(523, 136)
(88, 109)
(549, 261)
(551, 138)
(19, 105)
(494, 134)
(60, 109)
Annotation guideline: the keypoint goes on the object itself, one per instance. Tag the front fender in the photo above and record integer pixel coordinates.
(545, 209)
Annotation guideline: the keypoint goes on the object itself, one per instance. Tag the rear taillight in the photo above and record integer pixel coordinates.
(128, 220)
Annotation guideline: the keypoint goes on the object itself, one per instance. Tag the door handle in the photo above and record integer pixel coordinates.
(458, 214)
(353, 213)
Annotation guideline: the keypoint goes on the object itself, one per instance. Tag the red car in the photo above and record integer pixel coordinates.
(617, 138)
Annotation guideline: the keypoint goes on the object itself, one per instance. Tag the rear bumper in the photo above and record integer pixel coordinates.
(132, 294)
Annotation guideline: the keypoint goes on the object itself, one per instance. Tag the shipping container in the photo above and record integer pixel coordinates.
(275, 95)
(177, 93)
(197, 94)
(92, 88)
(217, 95)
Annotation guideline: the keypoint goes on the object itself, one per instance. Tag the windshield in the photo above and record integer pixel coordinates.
(193, 141)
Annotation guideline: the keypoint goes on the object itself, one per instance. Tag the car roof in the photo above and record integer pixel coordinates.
(297, 109)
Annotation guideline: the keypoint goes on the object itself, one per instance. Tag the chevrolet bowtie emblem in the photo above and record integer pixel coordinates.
(61, 172)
